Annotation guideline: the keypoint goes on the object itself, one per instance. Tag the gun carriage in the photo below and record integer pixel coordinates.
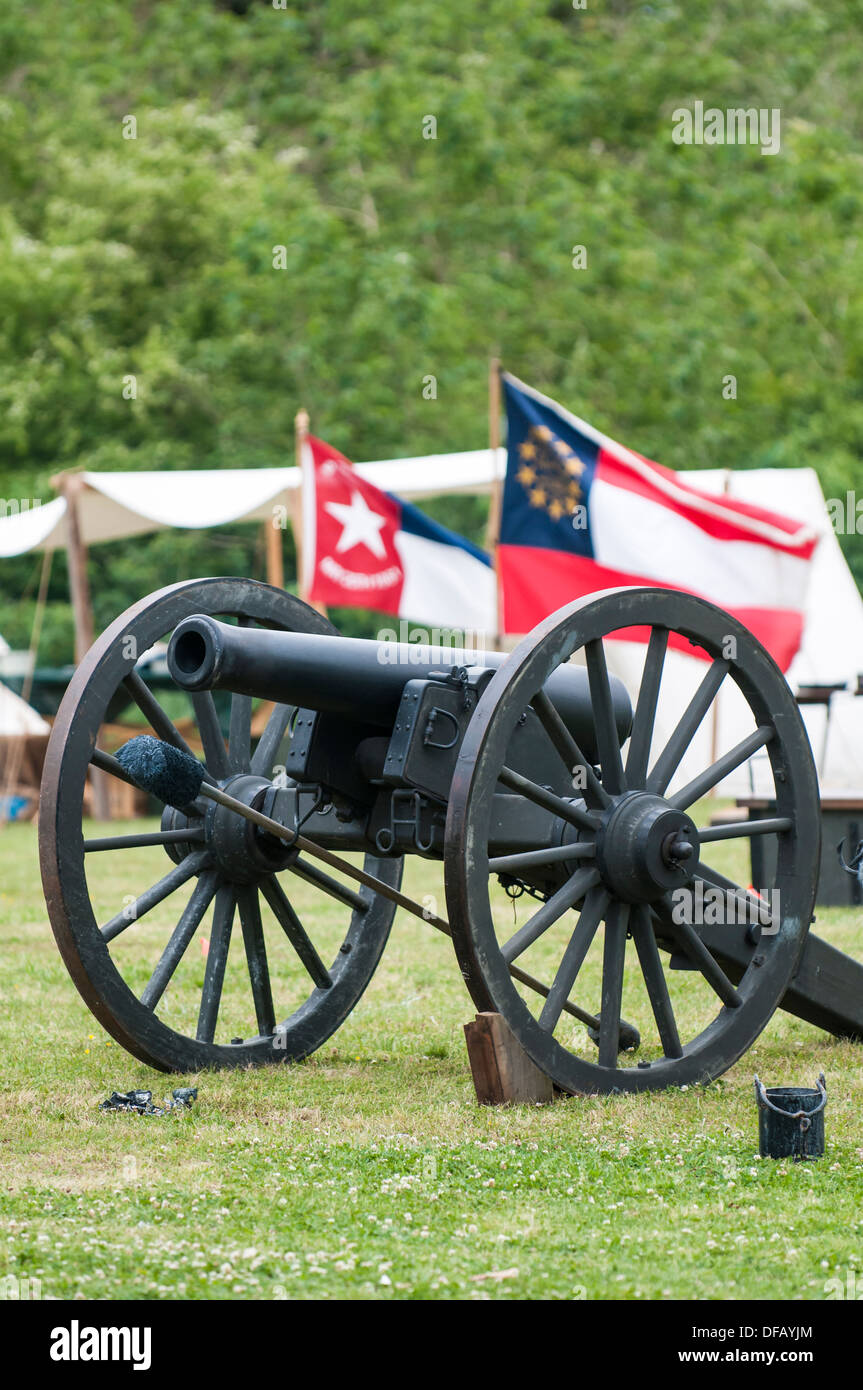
(532, 777)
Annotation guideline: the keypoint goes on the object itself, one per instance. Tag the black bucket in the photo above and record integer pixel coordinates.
(791, 1120)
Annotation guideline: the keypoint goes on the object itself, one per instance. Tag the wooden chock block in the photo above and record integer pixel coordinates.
(503, 1074)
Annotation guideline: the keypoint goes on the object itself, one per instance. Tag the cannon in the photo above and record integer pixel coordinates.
(575, 867)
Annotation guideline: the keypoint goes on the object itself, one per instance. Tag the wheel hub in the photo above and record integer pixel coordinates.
(645, 847)
(243, 852)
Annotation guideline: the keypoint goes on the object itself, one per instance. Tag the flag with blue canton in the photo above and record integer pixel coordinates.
(582, 513)
(549, 470)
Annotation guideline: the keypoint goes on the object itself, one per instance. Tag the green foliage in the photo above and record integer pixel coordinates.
(302, 128)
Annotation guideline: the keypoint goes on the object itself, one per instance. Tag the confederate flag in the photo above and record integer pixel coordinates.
(582, 513)
(365, 548)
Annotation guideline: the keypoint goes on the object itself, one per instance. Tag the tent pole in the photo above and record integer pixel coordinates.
(492, 533)
(714, 725)
(274, 557)
(301, 434)
(301, 431)
(70, 486)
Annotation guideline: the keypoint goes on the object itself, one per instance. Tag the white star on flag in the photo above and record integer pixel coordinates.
(361, 526)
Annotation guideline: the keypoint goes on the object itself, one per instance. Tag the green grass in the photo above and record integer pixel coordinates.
(370, 1172)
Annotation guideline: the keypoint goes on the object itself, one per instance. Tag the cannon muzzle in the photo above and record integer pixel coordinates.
(358, 679)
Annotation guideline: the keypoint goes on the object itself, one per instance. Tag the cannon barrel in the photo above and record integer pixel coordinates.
(358, 679)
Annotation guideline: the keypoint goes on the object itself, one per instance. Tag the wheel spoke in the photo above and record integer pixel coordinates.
(153, 712)
(607, 741)
(207, 718)
(573, 958)
(708, 779)
(310, 873)
(155, 715)
(256, 957)
(337, 862)
(757, 910)
(691, 944)
(655, 981)
(548, 800)
(295, 932)
(240, 735)
(550, 912)
(669, 759)
(268, 745)
(613, 961)
(193, 914)
(531, 858)
(568, 749)
(106, 762)
(217, 960)
(194, 835)
(645, 710)
(157, 893)
(732, 829)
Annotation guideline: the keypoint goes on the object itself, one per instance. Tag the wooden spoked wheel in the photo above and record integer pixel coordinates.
(155, 951)
(633, 866)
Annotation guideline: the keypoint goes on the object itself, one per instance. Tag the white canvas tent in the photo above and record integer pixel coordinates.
(111, 506)
(17, 718)
(23, 740)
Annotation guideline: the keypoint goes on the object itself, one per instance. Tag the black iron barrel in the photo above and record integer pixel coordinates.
(361, 680)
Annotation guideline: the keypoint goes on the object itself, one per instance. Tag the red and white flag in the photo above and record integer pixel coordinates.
(582, 513)
(364, 548)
